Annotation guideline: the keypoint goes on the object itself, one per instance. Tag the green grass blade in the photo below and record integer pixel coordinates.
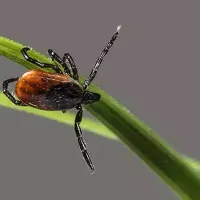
(87, 124)
(172, 167)
(67, 118)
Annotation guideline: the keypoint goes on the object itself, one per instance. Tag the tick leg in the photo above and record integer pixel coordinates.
(8, 94)
(100, 59)
(56, 57)
(79, 135)
(38, 63)
(67, 57)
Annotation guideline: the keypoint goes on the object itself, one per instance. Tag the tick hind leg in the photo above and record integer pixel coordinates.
(38, 63)
(79, 135)
(8, 93)
(56, 57)
(67, 57)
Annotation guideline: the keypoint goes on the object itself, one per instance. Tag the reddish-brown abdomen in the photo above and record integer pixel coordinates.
(33, 86)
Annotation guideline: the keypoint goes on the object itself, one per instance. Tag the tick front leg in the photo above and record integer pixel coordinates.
(38, 63)
(100, 59)
(79, 135)
(8, 93)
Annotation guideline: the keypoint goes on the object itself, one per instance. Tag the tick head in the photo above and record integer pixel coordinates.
(90, 97)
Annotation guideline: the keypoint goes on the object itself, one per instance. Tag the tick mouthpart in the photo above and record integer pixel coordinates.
(90, 97)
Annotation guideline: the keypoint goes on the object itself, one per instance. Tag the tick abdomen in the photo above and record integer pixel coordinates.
(48, 91)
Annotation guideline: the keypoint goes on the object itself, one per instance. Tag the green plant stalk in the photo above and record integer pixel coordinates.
(160, 157)
(87, 123)
(67, 118)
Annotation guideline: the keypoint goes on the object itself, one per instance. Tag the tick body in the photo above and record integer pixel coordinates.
(48, 91)
(59, 90)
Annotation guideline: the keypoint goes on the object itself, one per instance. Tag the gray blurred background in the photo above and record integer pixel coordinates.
(156, 56)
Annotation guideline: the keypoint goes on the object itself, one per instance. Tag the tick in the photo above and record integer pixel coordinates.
(59, 90)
